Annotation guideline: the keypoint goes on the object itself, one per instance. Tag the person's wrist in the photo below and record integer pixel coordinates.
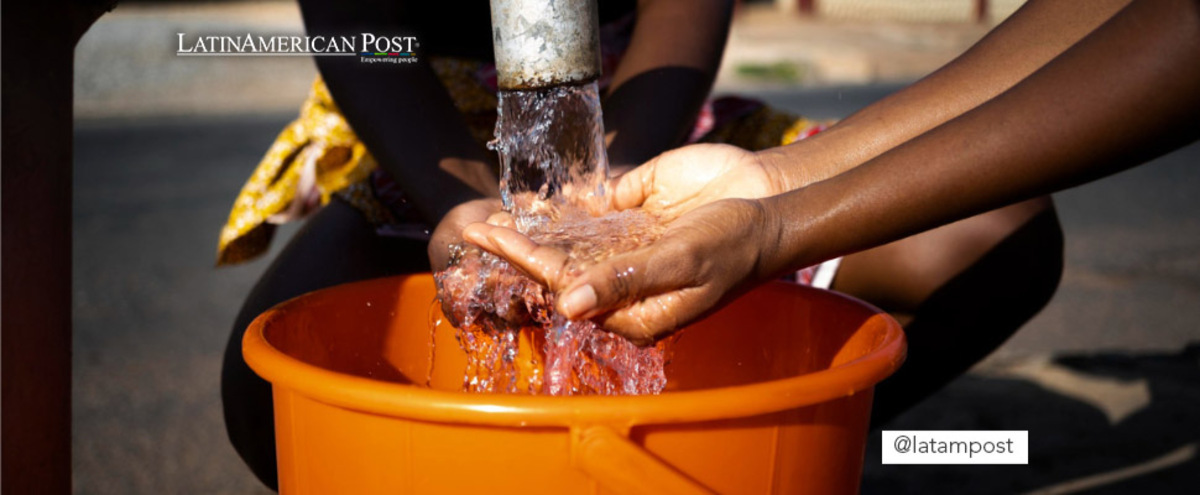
(784, 173)
(766, 238)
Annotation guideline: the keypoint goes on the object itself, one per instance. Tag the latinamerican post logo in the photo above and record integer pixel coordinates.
(370, 48)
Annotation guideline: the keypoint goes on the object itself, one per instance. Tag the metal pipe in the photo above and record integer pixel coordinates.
(542, 43)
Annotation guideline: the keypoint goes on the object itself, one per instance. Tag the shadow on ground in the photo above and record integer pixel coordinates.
(1075, 446)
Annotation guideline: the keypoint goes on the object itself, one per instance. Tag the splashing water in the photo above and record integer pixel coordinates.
(554, 167)
(551, 146)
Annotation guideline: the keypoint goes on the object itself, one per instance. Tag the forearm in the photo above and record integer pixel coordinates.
(664, 76)
(405, 117)
(1124, 94)
(1031, 37)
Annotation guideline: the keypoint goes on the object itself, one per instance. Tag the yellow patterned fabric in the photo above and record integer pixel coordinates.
(318, 155)
(313, 157)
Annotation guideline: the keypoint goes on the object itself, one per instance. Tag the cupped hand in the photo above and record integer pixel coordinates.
(683, 179)
(705, 258)
(449, 230)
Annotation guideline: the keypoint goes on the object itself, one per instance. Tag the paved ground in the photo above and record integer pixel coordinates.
(151, 314)
(1104, 378)
(126, 63)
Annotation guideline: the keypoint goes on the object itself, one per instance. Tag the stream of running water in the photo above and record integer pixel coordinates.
(553, 178)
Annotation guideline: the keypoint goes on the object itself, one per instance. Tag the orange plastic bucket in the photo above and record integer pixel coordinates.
(770, 395)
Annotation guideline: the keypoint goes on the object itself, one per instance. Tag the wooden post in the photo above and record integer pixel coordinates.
(35, 277)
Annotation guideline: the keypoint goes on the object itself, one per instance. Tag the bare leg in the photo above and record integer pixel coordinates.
(960, 291)
(335, 246)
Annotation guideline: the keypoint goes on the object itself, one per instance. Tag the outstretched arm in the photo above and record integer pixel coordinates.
(1036, 33)
(682, 179)
(1122, 95)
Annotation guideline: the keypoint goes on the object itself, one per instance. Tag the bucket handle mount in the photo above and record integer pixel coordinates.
(622, 466)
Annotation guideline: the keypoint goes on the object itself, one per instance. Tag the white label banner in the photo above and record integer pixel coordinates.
(956, 447)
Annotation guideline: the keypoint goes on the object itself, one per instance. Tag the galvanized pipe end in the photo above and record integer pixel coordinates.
(542, 43)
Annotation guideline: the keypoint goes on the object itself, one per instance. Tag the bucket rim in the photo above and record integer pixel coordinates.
(512, 410)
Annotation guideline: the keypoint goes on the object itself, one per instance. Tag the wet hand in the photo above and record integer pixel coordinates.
(683, 179)
(705, 258)
(449, 230)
